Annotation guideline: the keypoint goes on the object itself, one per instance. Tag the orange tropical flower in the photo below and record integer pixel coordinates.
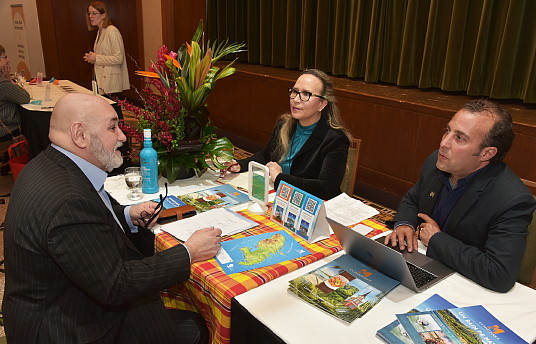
(175, 62)
(147, 74)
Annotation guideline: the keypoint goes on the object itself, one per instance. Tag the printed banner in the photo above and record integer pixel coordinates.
(21, 58)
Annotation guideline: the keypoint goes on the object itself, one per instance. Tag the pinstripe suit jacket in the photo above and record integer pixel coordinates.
(72, 276)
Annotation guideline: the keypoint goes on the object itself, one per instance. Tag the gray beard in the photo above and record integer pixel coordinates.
(107, 159)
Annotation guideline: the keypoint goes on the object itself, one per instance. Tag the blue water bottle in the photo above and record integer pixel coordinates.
(149, 165)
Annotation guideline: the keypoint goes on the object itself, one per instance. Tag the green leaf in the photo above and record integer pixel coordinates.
(202, 69)
(163, 78)
(227, 71)
(194, 61)
(220, 151)
(198, 31)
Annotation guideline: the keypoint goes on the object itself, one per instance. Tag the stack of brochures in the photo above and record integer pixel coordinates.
(438, 321)
(344, 288)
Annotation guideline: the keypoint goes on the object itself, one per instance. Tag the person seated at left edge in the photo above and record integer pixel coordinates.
(72, 273)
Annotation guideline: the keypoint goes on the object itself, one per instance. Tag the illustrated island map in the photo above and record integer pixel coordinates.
(261, 250)
(265, 248)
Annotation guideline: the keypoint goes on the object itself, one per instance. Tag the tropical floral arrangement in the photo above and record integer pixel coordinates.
(175, 108)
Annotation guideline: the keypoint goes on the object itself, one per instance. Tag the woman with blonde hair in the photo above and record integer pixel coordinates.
(309, 146)
(108, 55)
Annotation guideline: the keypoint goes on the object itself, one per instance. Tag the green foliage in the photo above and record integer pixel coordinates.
(190, 75)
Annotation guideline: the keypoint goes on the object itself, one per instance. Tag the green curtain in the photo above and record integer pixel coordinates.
(480, 47)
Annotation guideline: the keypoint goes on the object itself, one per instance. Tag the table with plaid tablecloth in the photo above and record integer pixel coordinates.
(210, 291)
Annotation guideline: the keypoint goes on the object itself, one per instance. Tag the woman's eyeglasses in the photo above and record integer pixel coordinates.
(93, 13)
(146, 219)
(304, 95)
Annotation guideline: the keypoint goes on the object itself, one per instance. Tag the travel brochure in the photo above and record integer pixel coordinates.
(344, 288)
(170, 202)
(258, 251)
(394, 333)
(216, 197)
(438, 321)
(466, 325)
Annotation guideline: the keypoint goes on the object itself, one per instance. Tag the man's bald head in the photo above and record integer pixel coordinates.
(80, 123)
(73, 108)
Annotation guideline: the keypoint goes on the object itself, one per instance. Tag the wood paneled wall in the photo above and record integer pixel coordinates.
(66, 38)
(398, 127)
(180, 20)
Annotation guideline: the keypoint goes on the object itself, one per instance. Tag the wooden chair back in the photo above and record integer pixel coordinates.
(350, 177)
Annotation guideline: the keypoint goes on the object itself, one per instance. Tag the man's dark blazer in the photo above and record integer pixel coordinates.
(318, 167)
(72, 276)
(484, 236)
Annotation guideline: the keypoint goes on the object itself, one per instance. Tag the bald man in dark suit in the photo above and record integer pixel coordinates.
(72, 275)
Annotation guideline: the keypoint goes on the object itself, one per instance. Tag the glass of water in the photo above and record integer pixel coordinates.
(20, 79)
(133, 180)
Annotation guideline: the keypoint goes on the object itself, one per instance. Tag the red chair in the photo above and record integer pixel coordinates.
(18, 157)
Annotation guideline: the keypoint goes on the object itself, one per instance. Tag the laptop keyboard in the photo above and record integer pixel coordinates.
(420, 276)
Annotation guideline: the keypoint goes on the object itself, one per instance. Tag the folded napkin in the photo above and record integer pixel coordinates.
(36, 102)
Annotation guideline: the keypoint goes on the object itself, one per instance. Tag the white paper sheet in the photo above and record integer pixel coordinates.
(227, 220)
(347, 210)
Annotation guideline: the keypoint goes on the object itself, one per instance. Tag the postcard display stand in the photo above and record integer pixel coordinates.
(300, 212)
(258, 186)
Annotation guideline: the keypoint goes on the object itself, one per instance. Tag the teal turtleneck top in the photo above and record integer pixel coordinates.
(298, 139)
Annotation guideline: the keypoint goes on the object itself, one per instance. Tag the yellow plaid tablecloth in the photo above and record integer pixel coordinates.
(209, 290)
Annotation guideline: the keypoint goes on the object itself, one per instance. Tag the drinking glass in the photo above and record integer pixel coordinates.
(133, 180)
(20, 79)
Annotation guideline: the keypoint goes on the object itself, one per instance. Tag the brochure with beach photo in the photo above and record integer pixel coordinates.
(345, 288)
(394, 333)
(466, 325)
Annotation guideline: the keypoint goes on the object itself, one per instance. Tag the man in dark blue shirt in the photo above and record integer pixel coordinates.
(468, 207)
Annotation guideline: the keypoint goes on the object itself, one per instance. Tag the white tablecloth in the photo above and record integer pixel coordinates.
(295, 321)
(56, 92)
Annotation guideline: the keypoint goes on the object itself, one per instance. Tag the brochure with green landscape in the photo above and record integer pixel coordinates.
(215, 197)
(394, 333)
(344, 288)
(466, 325)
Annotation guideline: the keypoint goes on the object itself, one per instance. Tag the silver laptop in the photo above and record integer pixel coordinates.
(414, 270)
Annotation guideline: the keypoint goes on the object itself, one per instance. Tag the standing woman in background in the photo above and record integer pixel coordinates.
(109, 58)
(309, 145)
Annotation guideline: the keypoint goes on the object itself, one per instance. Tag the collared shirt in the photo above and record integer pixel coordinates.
(449, 195)
(96, 177)
(298, 140)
